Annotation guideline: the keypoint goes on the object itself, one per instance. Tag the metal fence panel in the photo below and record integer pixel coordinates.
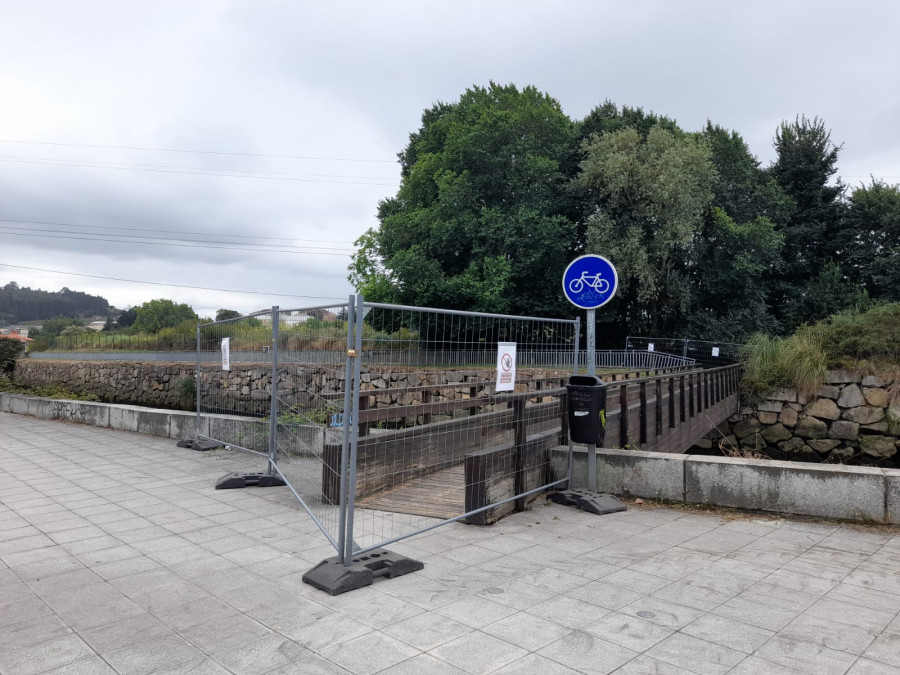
(311, 385)
(436, 441)
(706, 353)
(232, 404)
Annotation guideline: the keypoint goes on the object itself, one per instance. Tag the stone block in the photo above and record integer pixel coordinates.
(782, 395)
(776, 433)
(878, 446)
(863, 414)
(873, 381)
(182, 425)
(792, 445)
(829, 391)
(892, 495)
(788, 417)
(654, 475)
(844, 430)
(770, 406)
(823, 408)
(123, 417)
(876, 397)
(829, 491)
(753, 443)
(840, 377)
(851, 397)
(823, 445)
(810, 427)
(881, 427)
(746, 428)
(767, 417)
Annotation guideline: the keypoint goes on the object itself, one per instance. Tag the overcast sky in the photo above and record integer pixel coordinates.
(263, 134)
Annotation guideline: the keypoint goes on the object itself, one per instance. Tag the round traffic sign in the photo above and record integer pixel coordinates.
(590, 281)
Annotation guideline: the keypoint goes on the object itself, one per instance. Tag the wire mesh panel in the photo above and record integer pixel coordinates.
(705, 353)
(460, 414)
(234, 358)
(311, 397)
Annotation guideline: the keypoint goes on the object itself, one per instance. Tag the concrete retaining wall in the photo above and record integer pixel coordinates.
(866, 494)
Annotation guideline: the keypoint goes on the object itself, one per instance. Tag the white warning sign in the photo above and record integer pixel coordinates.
(506, 366)
(226, 353)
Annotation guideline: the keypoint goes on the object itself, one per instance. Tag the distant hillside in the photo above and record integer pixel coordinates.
(25, 304)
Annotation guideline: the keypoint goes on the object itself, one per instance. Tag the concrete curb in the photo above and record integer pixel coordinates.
(857, 493)
(169, 423)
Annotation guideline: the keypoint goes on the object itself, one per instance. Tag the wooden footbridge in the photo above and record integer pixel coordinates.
(493, 447)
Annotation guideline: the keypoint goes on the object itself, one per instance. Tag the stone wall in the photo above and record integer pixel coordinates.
(851, 419)
(246, 386)
(147, 384)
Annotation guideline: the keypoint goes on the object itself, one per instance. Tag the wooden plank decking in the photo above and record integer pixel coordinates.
(440, 494)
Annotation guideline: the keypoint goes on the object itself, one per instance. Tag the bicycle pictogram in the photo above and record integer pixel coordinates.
(595, 282)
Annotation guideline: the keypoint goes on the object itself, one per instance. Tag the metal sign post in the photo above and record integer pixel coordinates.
(589, 282)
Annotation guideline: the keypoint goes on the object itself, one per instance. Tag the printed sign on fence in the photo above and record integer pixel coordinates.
(506, 366)
(715, 351)
(226, 353)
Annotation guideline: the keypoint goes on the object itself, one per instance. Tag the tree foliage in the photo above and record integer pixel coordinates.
(20, 303)
(10, 350)
(500, 190)
(481, 211)
(225, 314)
(649, 197)
(155, 315)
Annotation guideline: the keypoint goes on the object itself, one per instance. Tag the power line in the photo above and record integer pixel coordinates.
(198, 152)
(278, 247)
(188, 173)
(153, 243)
(142, 229)
(158, 283)
(201, 169)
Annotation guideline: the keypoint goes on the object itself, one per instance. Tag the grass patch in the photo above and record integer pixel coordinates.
(866, 341)
(49, 390)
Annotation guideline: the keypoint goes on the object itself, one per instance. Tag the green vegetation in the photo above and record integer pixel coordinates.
(10, 350)
(500, 190)
(867, 341)
(20, 303)
(50, 390)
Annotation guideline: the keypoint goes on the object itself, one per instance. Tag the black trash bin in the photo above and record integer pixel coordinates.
(587, 409)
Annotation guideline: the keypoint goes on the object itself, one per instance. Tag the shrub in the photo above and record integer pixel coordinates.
(10, 350)
(857, 340)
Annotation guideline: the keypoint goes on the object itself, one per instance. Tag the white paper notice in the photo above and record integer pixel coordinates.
(650, 347)
(506, 366)
(226, 353)
(715, 351)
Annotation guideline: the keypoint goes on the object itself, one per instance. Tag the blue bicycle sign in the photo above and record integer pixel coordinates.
(590, 281)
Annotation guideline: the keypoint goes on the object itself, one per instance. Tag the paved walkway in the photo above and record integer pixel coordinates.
(118, 556)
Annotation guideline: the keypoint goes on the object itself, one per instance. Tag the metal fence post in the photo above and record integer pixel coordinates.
(198, 381)
(345, 431)
(273, 389)
(354, 431)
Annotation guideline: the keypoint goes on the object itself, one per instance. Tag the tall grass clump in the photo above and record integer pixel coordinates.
(866, 341)
(797, 361)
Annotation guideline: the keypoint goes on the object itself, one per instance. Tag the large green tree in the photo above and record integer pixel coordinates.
(731, 264)
(154, 315)
(874, 226)
(480, 220)
(648, 196)
(816, 243)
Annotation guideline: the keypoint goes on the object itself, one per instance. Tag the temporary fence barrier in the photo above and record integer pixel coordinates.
(386, 421)
(705, 353)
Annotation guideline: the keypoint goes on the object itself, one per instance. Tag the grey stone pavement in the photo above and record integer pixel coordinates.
(118, 556)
